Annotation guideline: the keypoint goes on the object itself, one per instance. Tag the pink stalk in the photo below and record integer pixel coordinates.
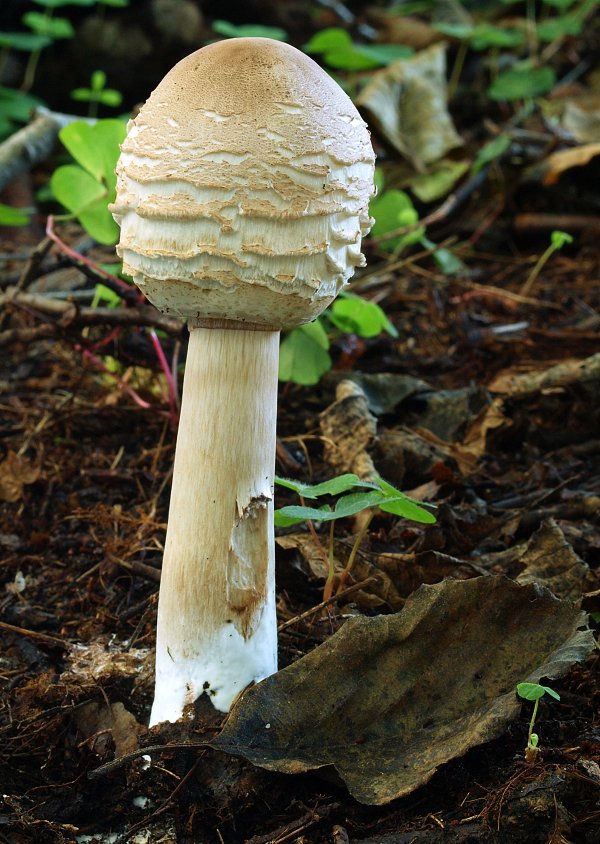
(171, 386)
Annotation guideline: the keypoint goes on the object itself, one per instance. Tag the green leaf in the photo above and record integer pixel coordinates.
(447, 261)
(81, 95)
(356, 502)
(303, 355)
(339, 51)
(295, 513)
(402, 505)
(559, 4)
(107, 296)
(555, 28)
(28, 42)
(231, 30)
(111, 97)
(522, 82)
(534, 740)
(76, 189)
(116, 4)
(460, 31)
(87, 198)
(359, 316)
(50, 27)
(407, 509)
(17, 105)
(486, 36)
(10, 216)
(95, 147)
(330, 38)
(334, 486)
(98, 80)
(385, 54)
(534, 691)
(393, 210)
(491, 151)
(56, 4)
(439, 181)
(560, 239)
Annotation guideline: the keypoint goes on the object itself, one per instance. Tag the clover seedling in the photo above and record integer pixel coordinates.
(339, 51)
(97, 94)
(558, 239)
(535, 692)
(86, 188)
(377, 495)
(304, 353)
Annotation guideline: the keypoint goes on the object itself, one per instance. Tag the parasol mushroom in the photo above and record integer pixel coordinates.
(242, 196)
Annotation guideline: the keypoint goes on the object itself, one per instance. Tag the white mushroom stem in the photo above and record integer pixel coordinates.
(216, 615)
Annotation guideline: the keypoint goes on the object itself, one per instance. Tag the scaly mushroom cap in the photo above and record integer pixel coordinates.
(243, 187)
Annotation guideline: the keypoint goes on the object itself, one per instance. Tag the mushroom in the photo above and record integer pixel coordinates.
(242, 196)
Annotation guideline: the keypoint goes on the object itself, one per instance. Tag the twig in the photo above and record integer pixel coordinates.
(33, 634)
(81, 259)
(332, 600)
(149, 572)
(27, 147)
(550, 222)
(143, 316)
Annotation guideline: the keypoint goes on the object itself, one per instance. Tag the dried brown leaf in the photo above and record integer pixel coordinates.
(550, 561)
(408, 101)
(387, 700)
(15, 473)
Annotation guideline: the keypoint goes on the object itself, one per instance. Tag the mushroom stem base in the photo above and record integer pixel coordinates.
(216, 630)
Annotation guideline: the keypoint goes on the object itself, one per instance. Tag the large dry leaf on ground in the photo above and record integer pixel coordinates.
(408, 101)
(468, 453)
(550, 561)
(387, 700)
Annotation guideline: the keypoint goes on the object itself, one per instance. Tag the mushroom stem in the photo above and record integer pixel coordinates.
(217, 628)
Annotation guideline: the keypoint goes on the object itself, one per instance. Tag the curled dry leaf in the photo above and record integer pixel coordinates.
(15, 473)
(562, 375)
(408, 101)
(387, 700)
(550, 561)
(348, 429)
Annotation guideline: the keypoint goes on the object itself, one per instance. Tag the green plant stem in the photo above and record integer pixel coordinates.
(532, 724)
(357, 543)
(328, 588)
(32, 61)
(537, 270)
(459, 62)
(532, 30)
(30, 69)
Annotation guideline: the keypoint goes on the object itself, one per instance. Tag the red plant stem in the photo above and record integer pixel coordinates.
(120, 381)
(81, 259)
(171, 386)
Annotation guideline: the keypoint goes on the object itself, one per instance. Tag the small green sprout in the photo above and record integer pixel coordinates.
(97, 94)
(378, 494)
(535, 692)
(558, 239)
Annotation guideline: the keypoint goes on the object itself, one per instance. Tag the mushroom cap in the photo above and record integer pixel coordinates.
(243, 187)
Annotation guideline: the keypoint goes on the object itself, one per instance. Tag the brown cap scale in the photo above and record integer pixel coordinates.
(242, 196)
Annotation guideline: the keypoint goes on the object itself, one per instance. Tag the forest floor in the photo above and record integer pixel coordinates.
(85, 485)
(486, 404)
